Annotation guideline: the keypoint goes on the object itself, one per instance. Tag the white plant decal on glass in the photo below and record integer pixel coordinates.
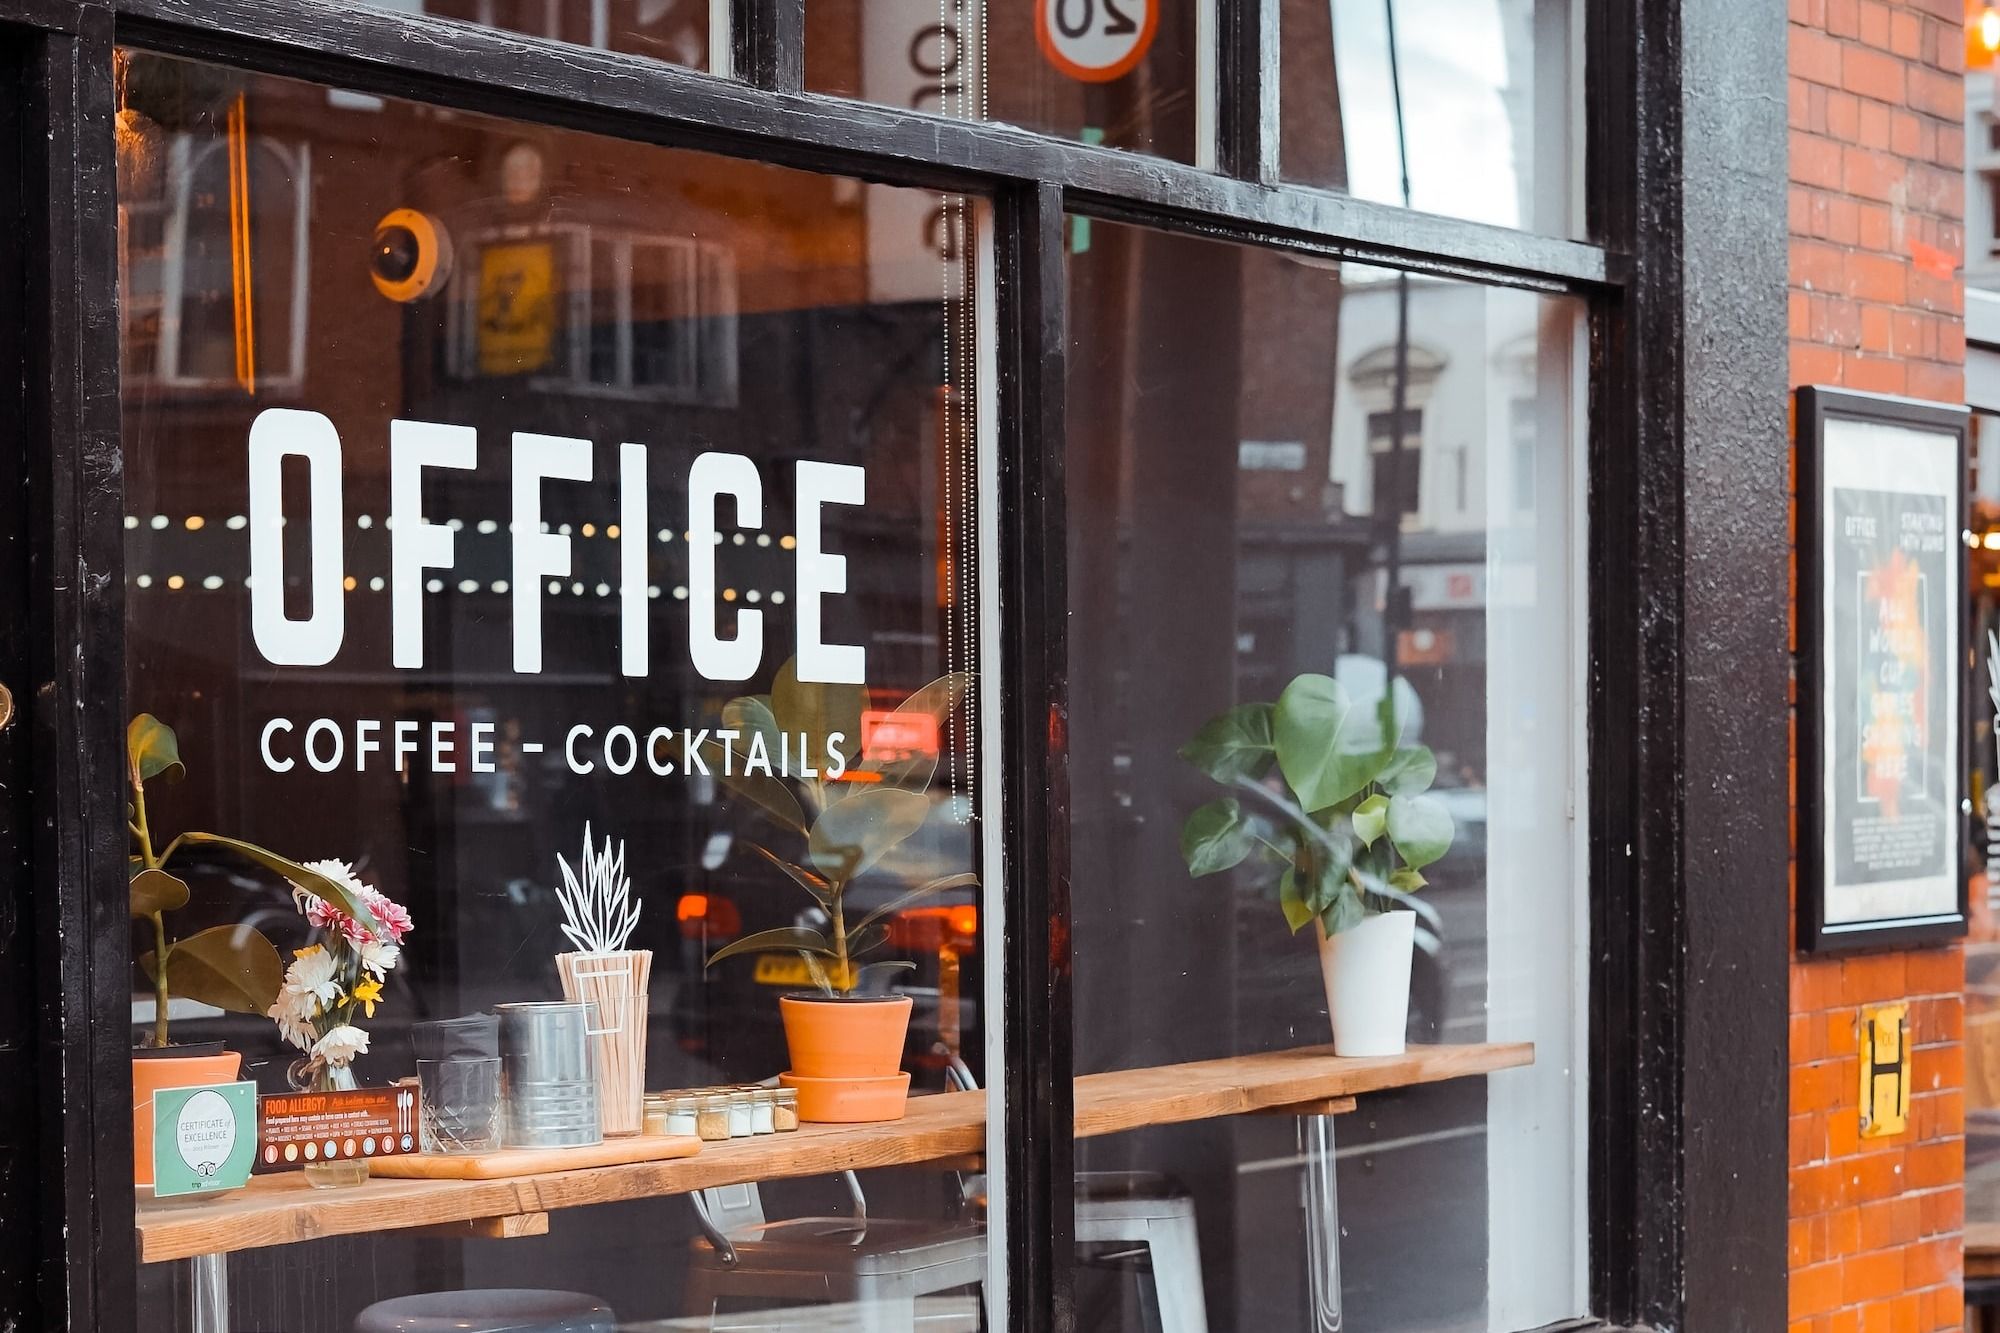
(598, 901)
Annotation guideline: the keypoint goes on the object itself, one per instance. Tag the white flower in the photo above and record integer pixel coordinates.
(293, 1013)
(379, 957)
(339, 1047)
(313, 973)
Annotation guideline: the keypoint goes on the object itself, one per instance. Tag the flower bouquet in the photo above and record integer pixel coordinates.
(600, 913)
(332, 983)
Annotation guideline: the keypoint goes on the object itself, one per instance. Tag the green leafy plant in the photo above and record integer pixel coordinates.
(848, 824)
(1347, 823)
(230, 967)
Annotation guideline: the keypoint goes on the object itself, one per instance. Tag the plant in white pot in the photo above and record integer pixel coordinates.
(1325, 794)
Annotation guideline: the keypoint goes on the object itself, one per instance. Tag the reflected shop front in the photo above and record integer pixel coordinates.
(865, 667)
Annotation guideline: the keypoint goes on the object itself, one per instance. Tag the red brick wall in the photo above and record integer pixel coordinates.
(1877, 146)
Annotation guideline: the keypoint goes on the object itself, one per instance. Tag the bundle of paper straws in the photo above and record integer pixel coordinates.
(601, 914)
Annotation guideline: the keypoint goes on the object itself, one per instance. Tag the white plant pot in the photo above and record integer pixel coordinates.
(1367, 973)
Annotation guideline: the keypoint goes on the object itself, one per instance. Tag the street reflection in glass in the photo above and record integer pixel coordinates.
(1321, 665)
(564, 550)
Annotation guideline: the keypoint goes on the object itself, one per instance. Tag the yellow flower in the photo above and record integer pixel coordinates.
(366, 993)
(307, 952)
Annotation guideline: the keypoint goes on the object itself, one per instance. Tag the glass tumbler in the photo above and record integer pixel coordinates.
(458, 1104)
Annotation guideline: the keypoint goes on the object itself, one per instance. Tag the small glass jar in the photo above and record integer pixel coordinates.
(785, 1110)
(681, 1113)
(763, 1111)
(742, 1113)
(712, 1117)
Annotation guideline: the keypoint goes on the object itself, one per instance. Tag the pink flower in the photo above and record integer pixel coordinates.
(392, 917)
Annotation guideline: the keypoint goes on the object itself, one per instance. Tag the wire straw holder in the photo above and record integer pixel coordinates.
(615, 984)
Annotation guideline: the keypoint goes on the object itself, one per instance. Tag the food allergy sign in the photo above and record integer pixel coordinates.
(1882, 584)
(1096, 41)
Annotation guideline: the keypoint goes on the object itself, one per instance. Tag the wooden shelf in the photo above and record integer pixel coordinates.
(283, 1209)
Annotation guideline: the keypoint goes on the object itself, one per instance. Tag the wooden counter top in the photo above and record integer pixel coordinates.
(282, 1209)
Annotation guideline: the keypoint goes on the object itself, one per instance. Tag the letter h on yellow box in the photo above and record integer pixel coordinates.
(1885, 1071)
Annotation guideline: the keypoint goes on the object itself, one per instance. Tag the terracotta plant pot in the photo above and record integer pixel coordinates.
(174, 1067)
(847, 1055)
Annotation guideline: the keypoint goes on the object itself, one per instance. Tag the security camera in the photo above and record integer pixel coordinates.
(411, 255)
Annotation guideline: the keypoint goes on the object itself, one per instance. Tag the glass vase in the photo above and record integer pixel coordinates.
(341, 1172)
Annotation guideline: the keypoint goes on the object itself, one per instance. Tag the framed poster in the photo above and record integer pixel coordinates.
(1882, 670)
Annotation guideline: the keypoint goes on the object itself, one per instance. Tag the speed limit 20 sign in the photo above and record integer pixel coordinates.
(1096, 40)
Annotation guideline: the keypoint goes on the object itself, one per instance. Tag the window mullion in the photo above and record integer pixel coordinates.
(1249, 89)
(768, 43)
(1038, 1067)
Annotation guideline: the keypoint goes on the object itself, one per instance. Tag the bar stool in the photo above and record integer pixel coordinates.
(500, 1310)
(882, 1266)
(1145, 1208)
(1141, 1208)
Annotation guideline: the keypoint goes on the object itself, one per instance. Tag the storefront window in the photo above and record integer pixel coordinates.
(578, 541)
(1137, 74)
(681, 32)
(1460, 107)
(1348, 492)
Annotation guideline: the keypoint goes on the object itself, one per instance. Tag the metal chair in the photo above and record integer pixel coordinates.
(1142, 1208)
(882, 1266)
(498, 1311)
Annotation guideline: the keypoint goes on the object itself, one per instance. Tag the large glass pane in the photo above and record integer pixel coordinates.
(576, 543)
(1346, 492)
(1461, 107)
(681, 32)
(1135, 74)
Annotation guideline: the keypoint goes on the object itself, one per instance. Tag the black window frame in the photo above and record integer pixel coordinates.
(1687, 546)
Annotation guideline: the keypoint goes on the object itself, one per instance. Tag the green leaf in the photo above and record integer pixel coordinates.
(1232, 745)
(1216, 837)
(1346, 913)
(157, 891)
(816, 710)
(1421, 829)
(1405, 880)
(152, 747)
(1410, 770)
(751, 715)
(1294, 905)
(310, 880)
(230, 967)
(802, 877)
(768, 793)
(796, 938)
(864, 939)
(1370, 818)
(939, 885)
(1319, 732)
(855, 833)
(937, 701)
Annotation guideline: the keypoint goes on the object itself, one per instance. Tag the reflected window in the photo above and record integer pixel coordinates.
(1136, 74)
(680, 32)
(1459, 107)
(214, 268)
(1236, 607)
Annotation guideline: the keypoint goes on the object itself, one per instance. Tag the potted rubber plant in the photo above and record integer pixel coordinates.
(845, 1038)
(1328, 800)
(231, 967)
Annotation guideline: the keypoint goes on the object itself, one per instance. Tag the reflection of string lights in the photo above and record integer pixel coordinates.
(485, 527)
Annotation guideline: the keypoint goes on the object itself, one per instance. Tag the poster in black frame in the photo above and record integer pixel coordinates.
(1881, 681)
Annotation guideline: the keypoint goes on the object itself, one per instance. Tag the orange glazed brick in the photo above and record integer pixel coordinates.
(1815, 1289)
